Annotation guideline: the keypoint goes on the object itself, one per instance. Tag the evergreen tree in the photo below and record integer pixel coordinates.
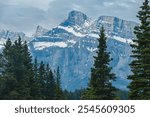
(29, 73)
(15, 71)
(21, 69)
(42, 79)
(100, 87)
(35, 68)
(50, 84)
(8, 81)
(35, 84)
(140, 66)
(75, 95)
(58, 90)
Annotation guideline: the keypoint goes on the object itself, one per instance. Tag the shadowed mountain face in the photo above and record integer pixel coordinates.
(72, 45)
(75, 18)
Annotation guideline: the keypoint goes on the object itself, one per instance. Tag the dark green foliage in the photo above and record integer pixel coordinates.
(59, 93)
(121, 95)
(35, 83)
(42, 79)
(140, 66)
(15, 70)
(50, 84)
(100, 87)
(76, 95)
(44, 86)
(21, 79)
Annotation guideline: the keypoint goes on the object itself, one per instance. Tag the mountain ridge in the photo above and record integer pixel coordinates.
(72, 44)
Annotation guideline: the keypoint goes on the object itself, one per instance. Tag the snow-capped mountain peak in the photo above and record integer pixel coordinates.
(72, 45)
(75, 18)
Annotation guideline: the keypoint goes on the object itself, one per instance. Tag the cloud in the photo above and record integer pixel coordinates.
(125, 9)
(41, 4)
(25, 15)
(107, 4)
(20, 18)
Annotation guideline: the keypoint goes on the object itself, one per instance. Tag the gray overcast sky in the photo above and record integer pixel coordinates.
(25, 15)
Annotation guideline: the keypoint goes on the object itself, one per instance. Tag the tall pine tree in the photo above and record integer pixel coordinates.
(7, 79)
(35, 83)
(100, 87)
(21, 69)
(140, 66)
(42, 79)
(50, 84)
(58, 90)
